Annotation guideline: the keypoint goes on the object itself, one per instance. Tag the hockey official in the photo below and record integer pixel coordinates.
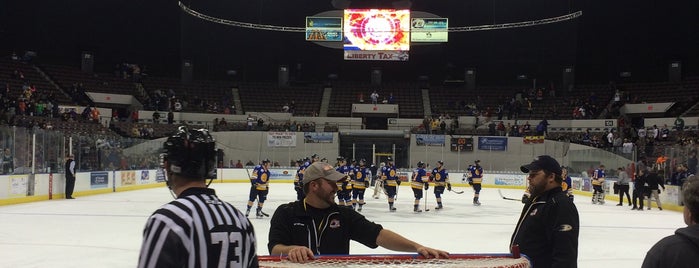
(548, 228)
(197, 229)
(318, 226)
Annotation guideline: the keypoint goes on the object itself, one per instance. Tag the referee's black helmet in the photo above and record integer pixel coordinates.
(191, 153)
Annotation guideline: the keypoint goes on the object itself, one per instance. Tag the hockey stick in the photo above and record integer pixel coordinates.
(426, 194)
(507, 198)
(456, 192)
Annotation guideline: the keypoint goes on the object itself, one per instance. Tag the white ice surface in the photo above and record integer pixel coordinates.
(105, 230)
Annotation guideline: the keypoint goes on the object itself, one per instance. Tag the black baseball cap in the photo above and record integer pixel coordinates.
(543, 162)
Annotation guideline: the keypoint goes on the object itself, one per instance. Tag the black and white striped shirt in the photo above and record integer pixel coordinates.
(198, 230)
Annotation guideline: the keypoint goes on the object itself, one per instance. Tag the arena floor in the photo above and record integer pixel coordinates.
(105, 230)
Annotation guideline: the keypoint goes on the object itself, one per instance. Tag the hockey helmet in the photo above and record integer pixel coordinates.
(190, 153)
(420, 164)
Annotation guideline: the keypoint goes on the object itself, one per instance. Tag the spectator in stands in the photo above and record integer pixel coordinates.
(679, 124)
(249, 163)
(156, 117)
(609, 139)
(260, 123)
(500, 129)
(238, 164)
(249, 121)
(434, 126)
(170, 117)
(526, 129)
(292, 107)
(679, 175)
(692, 163)
(285, 108)
(391, 100)
(374, 97)
(8, 163)
(664, 133)
(542, 128)
(653, 133)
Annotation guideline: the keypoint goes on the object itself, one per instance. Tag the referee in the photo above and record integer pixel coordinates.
(197, 229)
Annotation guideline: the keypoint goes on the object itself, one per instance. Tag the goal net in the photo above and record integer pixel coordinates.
(402, 260)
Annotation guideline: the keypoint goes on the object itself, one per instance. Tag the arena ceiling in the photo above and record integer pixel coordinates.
(641, 37)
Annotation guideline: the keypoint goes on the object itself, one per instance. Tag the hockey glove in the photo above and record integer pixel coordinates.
(659, 191)
(366, 184)
(470, 183)
(571, 197)
(427, 186)
(398, 182)
(448, 186)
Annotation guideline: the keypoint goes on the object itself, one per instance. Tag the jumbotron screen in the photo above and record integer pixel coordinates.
(376, 29)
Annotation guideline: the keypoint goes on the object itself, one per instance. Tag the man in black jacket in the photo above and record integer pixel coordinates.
(317, 225)
(682, 248)
(548, 228)
(639, 189)
(654, 183)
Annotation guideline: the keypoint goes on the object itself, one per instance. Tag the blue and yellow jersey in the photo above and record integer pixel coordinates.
(299, 173)
(567, 185)
(419, 179)
(347, 170)
(390, 175)
(476, 174)
(261, 177)
(441, 176)
(361, 176)
(598, 177)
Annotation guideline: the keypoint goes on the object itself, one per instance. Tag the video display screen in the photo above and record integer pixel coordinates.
(376, 29)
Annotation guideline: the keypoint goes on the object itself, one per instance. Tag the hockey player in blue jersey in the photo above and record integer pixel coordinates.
(440, 177)
(391, 181)
(475, 178)
(360, 181)
(420, 180)
(260, 188)
(344, 197)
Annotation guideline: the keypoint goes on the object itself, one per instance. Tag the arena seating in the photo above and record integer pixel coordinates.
(33, 77)
(66, 76)
(408, 96)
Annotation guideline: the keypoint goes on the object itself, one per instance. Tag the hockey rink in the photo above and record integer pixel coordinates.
(105, 230)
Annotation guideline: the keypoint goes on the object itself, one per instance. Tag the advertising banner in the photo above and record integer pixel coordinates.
(429, 30)
(492, 143)
(509, 179)
(282, 174)
(18, 185)
(145, 176)
(318, 137)
(99, 179)
(160, 175)
(281, 139)
(429, 140)
(128, 177)
(323, 29)
(376, 55)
